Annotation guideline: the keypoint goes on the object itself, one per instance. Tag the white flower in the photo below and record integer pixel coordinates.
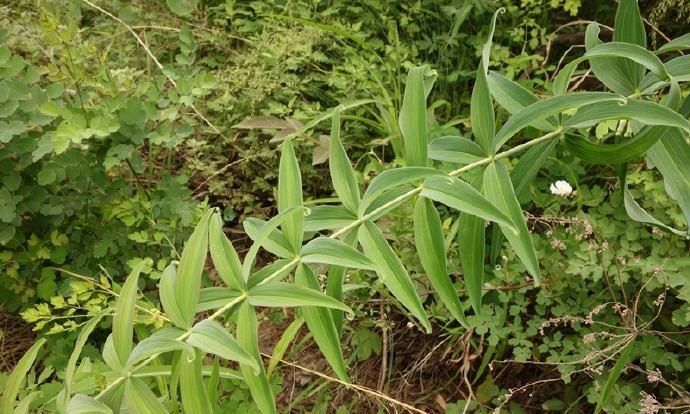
(561, 188)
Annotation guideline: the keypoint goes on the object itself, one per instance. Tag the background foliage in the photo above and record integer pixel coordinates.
(108, 165)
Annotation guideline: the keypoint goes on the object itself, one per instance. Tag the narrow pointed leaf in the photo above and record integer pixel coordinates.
(83, 404)
(629, 28)
(278, 269)
(140, 399)
(290, 195)
(328, 218)
(678, 68)
(412, 120)
(334, 252)
(283, 343)
(547, 108)
(160, 342)
(259, 387)
(482, 117)
(192, 389)
(123, 319)
(461, 196)
(644, 112)
(458, 150)
(499, 189)
(263, 235)
(334, 284)
(471, 241)
(342, 174)
(215, 297)
(26, 401)
(679, 43)
(391, 179)
(513, 98)
(17, 377)
(211, 338)
(281, 294)
(223, 254)
(622, 360)
(320, 323)
(71, 367)
(275, 243)
(528, 166)
(188, 277)
(166, 292)
(428, 236)
(391, 271)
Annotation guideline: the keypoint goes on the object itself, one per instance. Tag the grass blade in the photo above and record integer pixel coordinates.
(283, 343)
(614, 374)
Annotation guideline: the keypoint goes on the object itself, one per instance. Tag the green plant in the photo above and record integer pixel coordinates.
(482, 188)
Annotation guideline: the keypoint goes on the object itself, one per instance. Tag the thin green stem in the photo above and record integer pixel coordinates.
(280, 271)
(454, 173)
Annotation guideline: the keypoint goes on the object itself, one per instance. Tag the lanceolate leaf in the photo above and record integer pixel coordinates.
(283, 343)
(224, 256)
(275, 243)
(528, 166)
(413, 114)
(513, 98)
(428, 235)
(259, 387)
(482, 115)
(629, 28)
(166, 292)
(499, 189)
(458, 150)
(290, 195)
(212, 338)
(192, 389)
(188, 278)
(123, 319)
(263, 235)
(678, 68)
(644, 112)
(334, 284)
(391, 271)
(321, 325)
(679, 43)
(18, 376)
(140, 399)
(328, 218)
(622, 360)
(215, 297)
(461, 196)
(83, 404)
(160, 342)
(471, 241)
(342, 174)
(547, 108)
(84, 333)
(334, 252)
(281, 294)
(278, 269)
(391, 179)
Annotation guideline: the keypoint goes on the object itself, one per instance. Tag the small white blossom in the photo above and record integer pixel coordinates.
(561, 188)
